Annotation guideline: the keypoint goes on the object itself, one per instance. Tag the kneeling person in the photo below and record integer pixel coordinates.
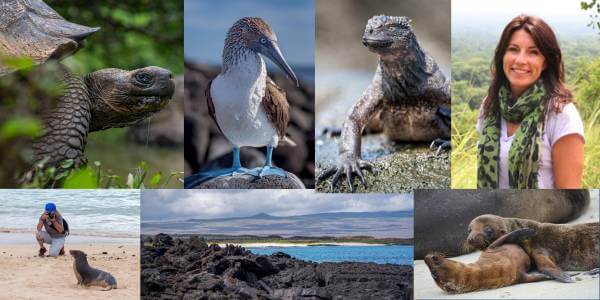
(51, 230)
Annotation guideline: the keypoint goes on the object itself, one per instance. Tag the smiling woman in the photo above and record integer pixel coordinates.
(531, 133)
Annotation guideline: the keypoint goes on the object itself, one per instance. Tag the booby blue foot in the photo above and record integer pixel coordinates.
(236, 169)
(268, 168)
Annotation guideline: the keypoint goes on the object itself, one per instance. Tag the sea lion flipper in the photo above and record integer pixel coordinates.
(547, 266)
(558, 274)
(513, 237)
(533, 277)
(592, 271)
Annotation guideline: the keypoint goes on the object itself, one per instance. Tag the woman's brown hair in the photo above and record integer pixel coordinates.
(553, 76)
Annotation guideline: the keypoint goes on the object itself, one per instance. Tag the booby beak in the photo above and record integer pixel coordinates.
(271, 50)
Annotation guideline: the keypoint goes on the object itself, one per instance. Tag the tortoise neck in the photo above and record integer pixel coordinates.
(65, 126)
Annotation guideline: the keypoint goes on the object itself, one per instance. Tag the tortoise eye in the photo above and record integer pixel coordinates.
(143, 78)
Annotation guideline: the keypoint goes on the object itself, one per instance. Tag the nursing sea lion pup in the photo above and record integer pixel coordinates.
(554, 247)
(496, 267)
(88, 276)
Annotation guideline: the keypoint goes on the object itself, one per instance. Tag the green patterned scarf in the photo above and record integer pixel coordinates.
(524, 153)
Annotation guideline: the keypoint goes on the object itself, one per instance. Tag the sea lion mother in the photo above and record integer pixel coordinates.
(554, 247)
(441, 216)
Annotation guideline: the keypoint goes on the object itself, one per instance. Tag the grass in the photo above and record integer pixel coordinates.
(591, 171)
(463, 160)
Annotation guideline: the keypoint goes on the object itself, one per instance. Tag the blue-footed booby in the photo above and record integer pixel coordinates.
(247, 105)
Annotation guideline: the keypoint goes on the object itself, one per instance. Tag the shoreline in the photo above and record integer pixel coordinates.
(97, 233)
(168, 267)
(274, 245)
(16, 239)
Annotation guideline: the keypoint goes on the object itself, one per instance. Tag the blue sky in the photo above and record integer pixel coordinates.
(208, 204)
(207, 22)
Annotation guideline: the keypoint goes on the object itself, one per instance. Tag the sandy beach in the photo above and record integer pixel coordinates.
(28, 276)
(585, 287)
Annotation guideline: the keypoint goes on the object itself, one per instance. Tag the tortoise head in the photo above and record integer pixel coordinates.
(121, 98)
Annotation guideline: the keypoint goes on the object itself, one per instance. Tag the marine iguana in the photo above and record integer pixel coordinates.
(408, 98)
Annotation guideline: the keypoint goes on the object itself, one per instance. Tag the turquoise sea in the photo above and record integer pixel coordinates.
(401, 255)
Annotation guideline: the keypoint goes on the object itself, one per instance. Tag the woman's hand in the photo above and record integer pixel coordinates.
(567, 160)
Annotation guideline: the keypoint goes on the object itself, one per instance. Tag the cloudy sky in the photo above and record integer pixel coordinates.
(183, 204)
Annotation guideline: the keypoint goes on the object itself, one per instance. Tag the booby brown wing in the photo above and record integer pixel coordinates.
(211, 106)
(276, 107)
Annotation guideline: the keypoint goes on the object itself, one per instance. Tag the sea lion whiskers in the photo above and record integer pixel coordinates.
(465, 247)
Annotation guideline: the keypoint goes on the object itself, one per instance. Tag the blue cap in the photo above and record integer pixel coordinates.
(50, 207)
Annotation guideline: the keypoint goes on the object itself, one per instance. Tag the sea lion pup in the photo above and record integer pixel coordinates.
(496, 267)
(554, 247)
(88, 276)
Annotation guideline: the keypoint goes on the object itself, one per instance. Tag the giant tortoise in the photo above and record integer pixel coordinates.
(100, 100)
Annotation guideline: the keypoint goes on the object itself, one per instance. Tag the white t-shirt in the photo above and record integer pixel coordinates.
(557, 126)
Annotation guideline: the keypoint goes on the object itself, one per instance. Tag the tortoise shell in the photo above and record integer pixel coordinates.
(30, 28)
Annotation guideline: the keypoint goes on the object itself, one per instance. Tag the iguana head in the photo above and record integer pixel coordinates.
(385, 34)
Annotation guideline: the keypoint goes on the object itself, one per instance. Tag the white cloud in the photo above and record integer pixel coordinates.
(181, 204)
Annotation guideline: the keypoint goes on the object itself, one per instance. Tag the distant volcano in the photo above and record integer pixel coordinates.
(398, 224)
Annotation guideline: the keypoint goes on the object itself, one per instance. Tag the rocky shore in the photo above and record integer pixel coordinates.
(191, 269)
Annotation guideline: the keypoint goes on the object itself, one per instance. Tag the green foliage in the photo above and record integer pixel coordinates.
(17, 63)
(20, 127)
(133, 34)
(89, 177)
(586, 83)
(594, 6)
